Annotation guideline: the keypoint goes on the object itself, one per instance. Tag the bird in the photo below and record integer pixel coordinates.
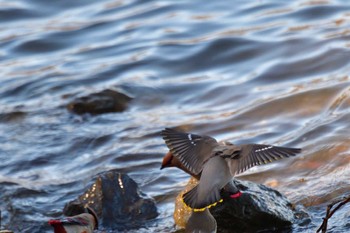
(170, 161)
(81, 223)
(201, 222)
(217, 162)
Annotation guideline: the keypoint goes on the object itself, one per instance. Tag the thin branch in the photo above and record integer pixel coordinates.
(331, 211)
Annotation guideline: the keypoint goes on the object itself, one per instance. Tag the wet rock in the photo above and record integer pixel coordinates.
(260, 208)
(182, 213)
(12, 116)
(74, 208)
(118, 202)
(102, 102)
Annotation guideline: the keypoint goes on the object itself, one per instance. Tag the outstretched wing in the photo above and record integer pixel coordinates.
(254, 154)
(192, 150)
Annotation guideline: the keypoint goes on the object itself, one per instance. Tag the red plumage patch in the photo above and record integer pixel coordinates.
(54, 222)
(236, 195)
(57, 225)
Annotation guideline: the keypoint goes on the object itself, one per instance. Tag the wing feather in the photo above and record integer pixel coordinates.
(256, 154)
(192, 150)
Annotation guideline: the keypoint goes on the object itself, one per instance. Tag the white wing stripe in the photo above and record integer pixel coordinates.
(262, 149)
(190, 138)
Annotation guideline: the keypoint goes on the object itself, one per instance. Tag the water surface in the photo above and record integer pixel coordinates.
(266, 71)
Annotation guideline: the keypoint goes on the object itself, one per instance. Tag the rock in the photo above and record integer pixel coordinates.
(14, 116)
(117, 201)
(260, 208)
(74, 208)
(182, 213)
(101, 102)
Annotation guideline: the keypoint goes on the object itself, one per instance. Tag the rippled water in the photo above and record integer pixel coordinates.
(258, 71)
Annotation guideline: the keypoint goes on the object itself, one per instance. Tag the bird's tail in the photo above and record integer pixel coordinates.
(191, 199)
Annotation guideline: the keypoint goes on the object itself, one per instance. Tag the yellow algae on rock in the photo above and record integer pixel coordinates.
(182, 213)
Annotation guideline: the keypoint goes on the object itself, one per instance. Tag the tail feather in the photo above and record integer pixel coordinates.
(192, 200)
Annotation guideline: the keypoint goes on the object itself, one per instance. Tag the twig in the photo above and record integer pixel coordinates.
(330, 212)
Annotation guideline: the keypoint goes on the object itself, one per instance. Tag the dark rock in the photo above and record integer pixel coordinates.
(117, 201)
(101, 102)
(12, 116)
(74, 208)
(260, 208)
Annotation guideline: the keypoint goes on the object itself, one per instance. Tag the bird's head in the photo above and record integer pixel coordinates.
(168, 161)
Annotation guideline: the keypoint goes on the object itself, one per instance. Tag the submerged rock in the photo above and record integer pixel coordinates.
(117, 201)
(14, 116)
(101, 102)
(259, 208)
